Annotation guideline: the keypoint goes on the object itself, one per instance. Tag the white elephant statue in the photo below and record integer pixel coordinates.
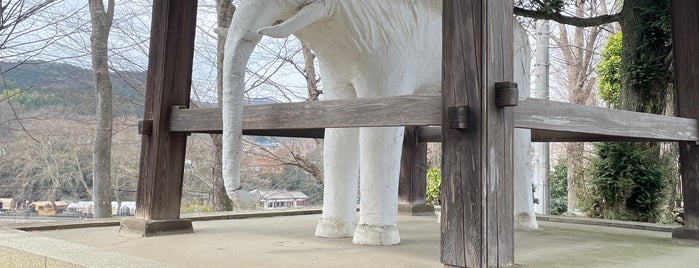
(365, 48)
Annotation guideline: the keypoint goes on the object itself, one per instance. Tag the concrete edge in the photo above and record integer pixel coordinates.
(49, 226)
(22, 249)
(609, 223)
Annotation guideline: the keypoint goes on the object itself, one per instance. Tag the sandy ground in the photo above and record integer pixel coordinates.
(289, 242)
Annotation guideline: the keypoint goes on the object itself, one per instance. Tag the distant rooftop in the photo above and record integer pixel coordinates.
(282, 194)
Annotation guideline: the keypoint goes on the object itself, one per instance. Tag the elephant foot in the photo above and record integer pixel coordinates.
(334, 227)
(524, 221)
(373, 235)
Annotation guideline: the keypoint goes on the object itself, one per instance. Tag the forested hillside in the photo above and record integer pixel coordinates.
(37, 84)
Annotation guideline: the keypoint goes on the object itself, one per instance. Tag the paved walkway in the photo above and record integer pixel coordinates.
(289, 242)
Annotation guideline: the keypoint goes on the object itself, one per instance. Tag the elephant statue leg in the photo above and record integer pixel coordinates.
(341, 165)
(380, 150)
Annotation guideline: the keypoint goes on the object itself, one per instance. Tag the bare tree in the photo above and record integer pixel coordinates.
(101, 24)
(577, 49)
(54, 168)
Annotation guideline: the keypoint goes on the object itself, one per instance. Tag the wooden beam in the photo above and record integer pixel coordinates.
(537, 114)
(366, 112)
(168, 84)
(550, 121)
(477, 163)
(685, 36)
(413, 175)
(312, 133)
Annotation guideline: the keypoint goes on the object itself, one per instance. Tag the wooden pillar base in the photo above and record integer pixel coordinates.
(685, 236)
(416, 209)
(136, 227)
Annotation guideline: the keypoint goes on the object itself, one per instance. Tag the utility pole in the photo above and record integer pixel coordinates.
(541, 91)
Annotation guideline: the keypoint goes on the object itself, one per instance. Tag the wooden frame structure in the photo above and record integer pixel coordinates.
(477, 217)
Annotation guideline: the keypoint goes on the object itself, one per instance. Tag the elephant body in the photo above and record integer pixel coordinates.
(365, 48)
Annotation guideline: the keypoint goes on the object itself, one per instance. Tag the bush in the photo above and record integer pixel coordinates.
(434, 181)
(627, 183)
(558, 182)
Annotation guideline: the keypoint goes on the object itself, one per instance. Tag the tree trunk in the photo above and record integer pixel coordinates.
(575, 164)
(541, 90)
(578, 54)
(645, 75)
(310, 73)
(639, 92)
(101, 156)
(220, 200)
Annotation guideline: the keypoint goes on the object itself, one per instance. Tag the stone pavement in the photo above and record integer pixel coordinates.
(288, 241)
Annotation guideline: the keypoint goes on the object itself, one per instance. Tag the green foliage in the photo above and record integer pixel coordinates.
(609, 71)
(645, 68)
(559, 188)
(627, 184)
(546, 6)
(434, 181)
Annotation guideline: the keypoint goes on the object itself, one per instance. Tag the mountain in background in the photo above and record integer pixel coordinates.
(50, 84)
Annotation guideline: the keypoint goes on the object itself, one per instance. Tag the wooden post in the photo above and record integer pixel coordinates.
(413, 176)
(685, 36)
(162, 152)
(477, 170)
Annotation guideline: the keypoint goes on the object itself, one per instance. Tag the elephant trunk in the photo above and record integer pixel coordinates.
(252, 19)
(239, 47)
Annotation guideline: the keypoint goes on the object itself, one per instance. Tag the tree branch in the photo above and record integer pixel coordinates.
(574, 21)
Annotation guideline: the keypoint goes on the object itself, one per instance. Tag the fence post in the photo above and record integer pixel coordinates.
(413, 176)
(685, 35)
(477, 169)
(162, 152)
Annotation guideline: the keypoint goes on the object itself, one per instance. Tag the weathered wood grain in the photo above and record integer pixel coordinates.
(367, 112)
(477, 210)
(413, 169)
(685, 36)
(168, 84)
(537, 114)
(550, 121)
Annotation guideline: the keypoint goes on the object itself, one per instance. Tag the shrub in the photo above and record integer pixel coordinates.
(434, 181)
(627, 183)
(558, 182)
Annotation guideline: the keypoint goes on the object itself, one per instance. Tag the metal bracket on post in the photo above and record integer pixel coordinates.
(506, 94)
(145, 127)
(458, 117)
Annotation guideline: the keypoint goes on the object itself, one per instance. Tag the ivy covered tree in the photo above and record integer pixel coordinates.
(645, 48)
(644, 75)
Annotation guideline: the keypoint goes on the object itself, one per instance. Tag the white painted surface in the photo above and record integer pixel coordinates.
(541, 91)
(525, 219)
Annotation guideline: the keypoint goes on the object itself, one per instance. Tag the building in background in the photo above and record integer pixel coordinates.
(279, 199)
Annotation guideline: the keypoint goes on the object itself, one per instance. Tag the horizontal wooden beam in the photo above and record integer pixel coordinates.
(557, 121)
(549, 121)
(312, 133)
(366, 112)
